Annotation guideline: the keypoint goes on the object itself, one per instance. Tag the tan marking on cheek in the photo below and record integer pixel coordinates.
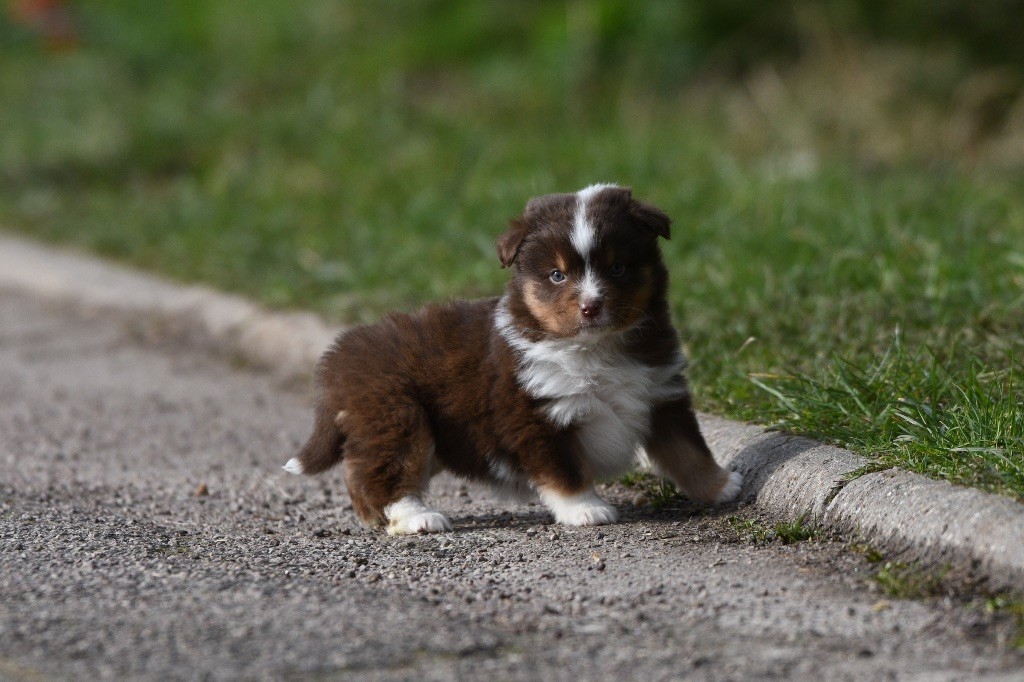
(340, 417)
(542, 310)
(569, 308)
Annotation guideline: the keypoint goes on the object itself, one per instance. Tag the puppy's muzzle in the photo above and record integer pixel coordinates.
(591, 308)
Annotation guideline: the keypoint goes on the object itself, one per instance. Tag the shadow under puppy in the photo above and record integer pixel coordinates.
(556, 384)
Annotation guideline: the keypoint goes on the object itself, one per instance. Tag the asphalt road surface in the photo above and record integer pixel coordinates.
(147, 531)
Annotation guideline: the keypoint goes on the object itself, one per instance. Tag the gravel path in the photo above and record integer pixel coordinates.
(147, 531)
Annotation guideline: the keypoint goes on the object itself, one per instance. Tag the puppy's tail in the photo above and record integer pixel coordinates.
(325, 446)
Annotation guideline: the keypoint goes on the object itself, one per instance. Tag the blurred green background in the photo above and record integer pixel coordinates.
(846, 178)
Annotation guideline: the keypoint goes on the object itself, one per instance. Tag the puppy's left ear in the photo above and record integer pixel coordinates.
(651, 217)
(511, 240)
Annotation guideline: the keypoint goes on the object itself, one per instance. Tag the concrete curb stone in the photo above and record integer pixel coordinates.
(787, 476)
(936, 522)
(287, 343)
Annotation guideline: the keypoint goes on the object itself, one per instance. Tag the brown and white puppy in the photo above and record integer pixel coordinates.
(562, 381)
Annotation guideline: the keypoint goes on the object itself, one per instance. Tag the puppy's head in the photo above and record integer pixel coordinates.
(585, 263)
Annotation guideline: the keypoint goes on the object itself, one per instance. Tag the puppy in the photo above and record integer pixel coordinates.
(560, 382)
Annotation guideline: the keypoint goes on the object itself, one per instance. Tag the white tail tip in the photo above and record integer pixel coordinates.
(294, 466)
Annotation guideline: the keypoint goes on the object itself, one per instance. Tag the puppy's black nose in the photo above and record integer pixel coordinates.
(590, 308)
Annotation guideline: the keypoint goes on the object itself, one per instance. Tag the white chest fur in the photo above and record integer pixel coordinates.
(593, 384)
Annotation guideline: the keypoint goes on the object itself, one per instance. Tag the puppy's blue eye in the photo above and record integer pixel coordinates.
(557, 276)
(617, 270)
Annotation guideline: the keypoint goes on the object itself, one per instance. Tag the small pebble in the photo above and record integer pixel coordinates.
(202, 490)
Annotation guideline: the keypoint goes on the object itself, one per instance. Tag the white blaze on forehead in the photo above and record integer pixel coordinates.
(582, 236)
(587, 193)
(582, 229)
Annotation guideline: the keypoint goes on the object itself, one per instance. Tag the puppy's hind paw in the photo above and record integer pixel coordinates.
(589, 515)
(731, 490)
(427, 522)
(584, 509)
(409, 516)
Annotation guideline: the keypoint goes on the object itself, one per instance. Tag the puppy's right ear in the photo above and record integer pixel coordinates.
(509, 243)
(537, 210)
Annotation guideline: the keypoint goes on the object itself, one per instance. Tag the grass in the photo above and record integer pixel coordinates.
(790, 532)
(786, 532)
(871, 554)
(1013, 607)
(934, 411)
(353, 158)
(660, 492)
(903, 580)
(908, 581)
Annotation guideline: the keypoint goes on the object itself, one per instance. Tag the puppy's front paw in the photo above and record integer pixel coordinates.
(731, 489)
(409, 515)
(584, 509)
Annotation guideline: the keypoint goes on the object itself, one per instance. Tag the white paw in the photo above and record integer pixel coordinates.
(294, 466)
(409, 515)
(584, 509)
(588, 515)
(731, 488)
(427, 522)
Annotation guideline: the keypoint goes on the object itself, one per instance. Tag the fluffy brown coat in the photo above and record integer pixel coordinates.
(542, 390)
